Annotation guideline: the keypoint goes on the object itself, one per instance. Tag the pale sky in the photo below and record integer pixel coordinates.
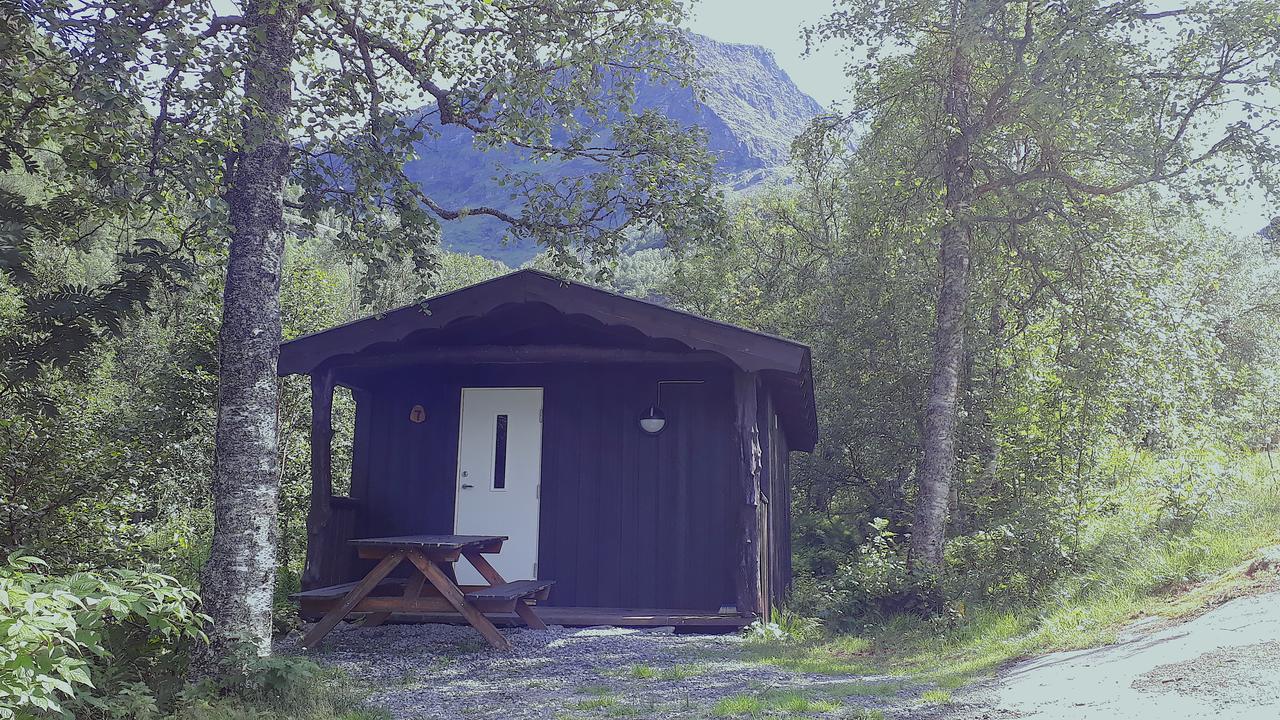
(776, 25)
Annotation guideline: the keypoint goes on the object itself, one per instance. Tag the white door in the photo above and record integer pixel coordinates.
(499, 469)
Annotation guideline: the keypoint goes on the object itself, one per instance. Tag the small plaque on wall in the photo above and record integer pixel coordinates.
(418, 414)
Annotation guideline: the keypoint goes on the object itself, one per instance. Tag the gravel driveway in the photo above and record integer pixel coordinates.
(445, 672)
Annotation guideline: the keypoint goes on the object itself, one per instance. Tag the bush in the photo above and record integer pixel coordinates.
(91, 644)
(284, 612)
(276, 688)
(784, 626)
(877, 582)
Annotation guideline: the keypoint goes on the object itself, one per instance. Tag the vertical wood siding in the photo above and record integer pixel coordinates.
(780, 502)
(627, 519)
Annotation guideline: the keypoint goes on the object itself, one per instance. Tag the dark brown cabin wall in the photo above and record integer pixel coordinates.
(627, 519)
(785, 456)
(780, 519)
(767, 509)
(410, 483)
(775, 485)
(748, 508)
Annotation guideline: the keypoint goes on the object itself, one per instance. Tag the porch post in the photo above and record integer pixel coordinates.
(319, 554)
(747, 499)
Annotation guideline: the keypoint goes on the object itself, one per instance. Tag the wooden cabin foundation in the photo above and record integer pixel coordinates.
(683, 621)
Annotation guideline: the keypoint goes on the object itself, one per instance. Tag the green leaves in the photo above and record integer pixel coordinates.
(59, 631)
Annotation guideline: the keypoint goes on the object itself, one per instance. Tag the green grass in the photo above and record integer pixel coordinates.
(787, 703)
(1126, 580)
(863, 689)
(604, 701)
(642, 672)
(936, 697)
(597, 690)
(597, 703)
(326, 695)
(799, 703)
(738, 705)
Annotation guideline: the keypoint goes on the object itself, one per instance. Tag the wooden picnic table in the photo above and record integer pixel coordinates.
(431, 589)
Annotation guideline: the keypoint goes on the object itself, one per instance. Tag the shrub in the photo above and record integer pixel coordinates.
(784, 626)
(85, 645)
(284, 612)
(275, 688)
(878, 581)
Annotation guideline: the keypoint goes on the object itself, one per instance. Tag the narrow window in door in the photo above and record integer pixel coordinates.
(500, 455)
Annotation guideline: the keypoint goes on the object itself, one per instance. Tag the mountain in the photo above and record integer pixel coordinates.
(750, 108)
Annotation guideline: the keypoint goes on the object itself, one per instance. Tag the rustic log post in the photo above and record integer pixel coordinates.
(319, 552)
(747, 441)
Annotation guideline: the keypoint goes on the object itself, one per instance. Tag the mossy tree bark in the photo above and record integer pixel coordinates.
(238, 581)
(937, 466)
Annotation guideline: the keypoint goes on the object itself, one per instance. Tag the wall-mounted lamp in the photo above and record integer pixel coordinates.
(654, 419)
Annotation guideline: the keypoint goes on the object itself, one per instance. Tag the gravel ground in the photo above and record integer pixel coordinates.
(1250, 671)
(444, 672)
(1224, 663)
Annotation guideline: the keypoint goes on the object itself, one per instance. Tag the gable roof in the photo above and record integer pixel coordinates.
(784, 364)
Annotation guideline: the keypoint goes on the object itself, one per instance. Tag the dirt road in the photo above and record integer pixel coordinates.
(1225, 663)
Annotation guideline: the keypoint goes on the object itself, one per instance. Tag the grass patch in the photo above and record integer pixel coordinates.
(737, 705)
(318, 694)
(603, 699)
(936, 697)
(1125, 580)
(597, 690)
(777, 703)
(597, 703)
(864, 689)
(799, 703)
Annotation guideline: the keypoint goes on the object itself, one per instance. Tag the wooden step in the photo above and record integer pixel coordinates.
(502, 598)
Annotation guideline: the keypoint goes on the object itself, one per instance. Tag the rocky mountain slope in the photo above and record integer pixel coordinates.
(751, 110)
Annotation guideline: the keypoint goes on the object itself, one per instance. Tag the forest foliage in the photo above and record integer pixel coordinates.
(1123, 358)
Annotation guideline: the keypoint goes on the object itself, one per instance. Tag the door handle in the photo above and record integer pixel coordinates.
(467, 486)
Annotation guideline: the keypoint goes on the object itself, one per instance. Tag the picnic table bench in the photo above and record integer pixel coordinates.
(430, 589)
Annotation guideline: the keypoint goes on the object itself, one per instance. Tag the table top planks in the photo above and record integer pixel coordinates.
(480, 543)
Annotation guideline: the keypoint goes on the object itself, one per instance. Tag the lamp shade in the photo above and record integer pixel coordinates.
(653, 420)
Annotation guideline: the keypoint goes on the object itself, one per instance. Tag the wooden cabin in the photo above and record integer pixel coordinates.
(635, 454)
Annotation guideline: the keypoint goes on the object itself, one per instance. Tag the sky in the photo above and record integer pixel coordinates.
(776, 26)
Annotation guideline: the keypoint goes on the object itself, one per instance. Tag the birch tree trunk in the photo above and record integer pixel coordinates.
(237, 582)
(928, 533)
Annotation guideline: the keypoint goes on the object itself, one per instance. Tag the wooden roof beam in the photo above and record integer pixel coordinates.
(518, 355)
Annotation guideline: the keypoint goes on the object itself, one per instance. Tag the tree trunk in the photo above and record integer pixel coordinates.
(239, 579)
(939, 460)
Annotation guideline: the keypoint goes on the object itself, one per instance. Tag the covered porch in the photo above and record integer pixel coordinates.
(686, 526)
